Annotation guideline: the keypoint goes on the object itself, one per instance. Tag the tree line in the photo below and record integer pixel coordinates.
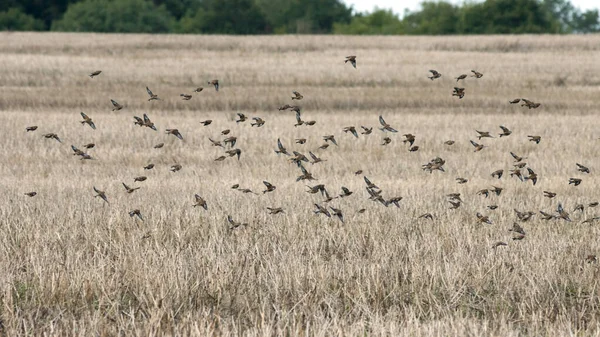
(294, 17)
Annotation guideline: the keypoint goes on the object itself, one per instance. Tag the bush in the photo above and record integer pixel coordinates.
(15, 19)
(118, 16)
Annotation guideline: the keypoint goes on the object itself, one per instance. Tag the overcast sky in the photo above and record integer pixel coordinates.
(398, 5)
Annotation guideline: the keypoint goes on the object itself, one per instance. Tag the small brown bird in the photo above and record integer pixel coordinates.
(532, 176)
(322, 210)
(535, 139)
(77, 152)
(483, 218)
(310, 123)
(455, 204)
(206, 122)
(484, 134)
(234, 152)
(159, 145)
(100, 194)
(31, 194)
(140, 178)
(549, 194)
(315, 158)
(516, 172)
(434, 74)
(280, 148)
(241, 118)
(145, 122)
(359, 172)
(258, 122)
(461, 77)
(199, 201)
(428, 216)
(330, 138)
(153, 97)
(515, 101)
(593, 204)
(284, 107)
(449, 142)
(116, 105)
(345, 192)
(485, 192)
(352, 60)
(199, 89)
(414, 148)
(235, 224)
(149, 167)
(300, 141)
(517, 158)
(221, 158)
(409, 138)
(546, 216)
(136, 212)
(530, 104)
(174, 132)
(459, 92)
(578, 207)
(582, 168)
(270, 187)
(215, 142)
(524, 216)
(476, 74)
(225, 132)
(366, 130)
(497, 174)
(386, 141)
(575, 181)
(498, 244)
(520, 165)
(324, 146)
(95, 73)
(87, 120)
(505, 131)
(394, 201)
(497, 190)
(31, 128)
(591, 259)
(52, 136)
(297, 95)
(386, 126)
(275, 210)
(235, 186)
(185, 97)
(562, 213)
(89, 145)
(492, 207)
(175, 167)
(338, 213)
(462, 180)
(129, 189)
(351, 129)
(478, 147)
(214, 83)
(230, 140)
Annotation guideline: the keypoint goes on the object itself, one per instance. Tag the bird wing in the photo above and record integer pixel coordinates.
(178, 135)
(126, 187)
(382, 121)
(280, 146)
(114, 103)
(84, 116)
(312, 155)
(149, 92)
(146, 119)
(474, 144)
(268, 184)
(96, 190)
(298, 118)
(74, 148)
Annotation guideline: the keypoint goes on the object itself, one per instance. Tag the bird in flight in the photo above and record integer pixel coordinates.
(199, 201)
(116, 105)
(297, 95)
(434, 74)
(153, 97)
(214, 83)
(87, 120)
(95, 73)
(352, 60)
(385, 126)
(100, 194)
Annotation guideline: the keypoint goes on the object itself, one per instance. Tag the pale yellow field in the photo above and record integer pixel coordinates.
(74, 265)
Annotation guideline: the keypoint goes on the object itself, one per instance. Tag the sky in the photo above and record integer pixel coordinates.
(398, 6)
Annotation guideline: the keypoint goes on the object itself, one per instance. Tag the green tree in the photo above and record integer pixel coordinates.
(381, 22)
(15, 19)
(118, 16)
(304, 16)
(437, 18)
(225, 17)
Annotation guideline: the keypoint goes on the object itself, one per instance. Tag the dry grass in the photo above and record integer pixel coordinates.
(73, 265)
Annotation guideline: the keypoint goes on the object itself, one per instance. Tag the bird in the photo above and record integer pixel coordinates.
(280, 148)
(297, 95)
(575, 181)
(386, 126)
(434, 74)
(140, 178)
(299, 120)
(324, 146)
(258, 122)
(148, 123)
(270, 187)
(359, 172)
(351, 129)
(459, 92)
(315, 158)
(284, 107)
(52, 136)
(149, 167)
(484, 134)
(159, 145)
(386, 141)
(497, 174)
(230, 140)
(549, 194)
(462, 180)
(483, 218)
(532, 176)
(153, 97)
(330, 138)
(300, 141)
(478, 147)
(174, 132)
(175, 168)
(352, 60)
(89, 145)
(100, 194)
(505, 131)
(116, 105)
(492, 207)
(395, 201)
(485, 192)
(497, 190)
(515, 101)
(199, 201)
(516, 172)
(409, 138)
(449, 142)
(322, 210)
(499, 244)
(546, 216)
(136, 212)
(530, 104)
(185, 97)
(77, 152)
(206, 122)
(31, 194)
(516, 157)
(535, 139)
(214, 83)
(129, 189)
(275, 210)
(476, 74)
(461, 77)
(426, 216)
(235, 224)
(31, 128)
(582, 168)
(366, 130)
(221, 158)
(414, 148)
(562, 213)
(225, 132)
(234, 152)
(338, 213)
(87, 120)
(199, 89)
(345, 192)
(242, 118)
(524, 216)
(95, 73)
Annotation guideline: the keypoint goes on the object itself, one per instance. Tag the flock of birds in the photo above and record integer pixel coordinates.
(520, 169)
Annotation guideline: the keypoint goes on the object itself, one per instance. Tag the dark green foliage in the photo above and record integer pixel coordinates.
(15, 19)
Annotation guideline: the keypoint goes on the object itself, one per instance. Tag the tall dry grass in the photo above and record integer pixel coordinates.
(74, 265)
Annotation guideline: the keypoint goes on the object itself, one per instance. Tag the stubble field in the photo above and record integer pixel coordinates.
(73, 264)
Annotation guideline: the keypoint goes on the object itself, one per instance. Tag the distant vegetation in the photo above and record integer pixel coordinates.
(295, 17)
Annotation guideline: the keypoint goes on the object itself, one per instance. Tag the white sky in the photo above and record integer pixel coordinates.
(398, 6)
